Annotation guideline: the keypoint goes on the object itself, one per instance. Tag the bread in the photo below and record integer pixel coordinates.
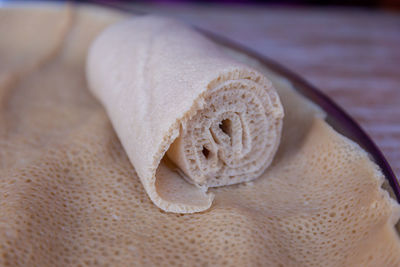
(69, 195)
(170, 91)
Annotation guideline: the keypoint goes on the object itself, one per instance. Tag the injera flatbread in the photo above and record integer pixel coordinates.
(70, 196)
(169, 90)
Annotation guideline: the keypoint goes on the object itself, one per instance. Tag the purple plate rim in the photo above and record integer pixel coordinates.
(336, 115)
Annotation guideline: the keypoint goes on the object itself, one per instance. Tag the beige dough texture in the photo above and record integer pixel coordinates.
(69, 195)
(169, 90)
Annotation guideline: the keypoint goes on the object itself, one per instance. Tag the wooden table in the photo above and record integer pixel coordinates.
(351, 55)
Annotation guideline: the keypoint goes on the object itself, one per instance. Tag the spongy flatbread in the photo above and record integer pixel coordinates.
(69, 195)
(167, 90)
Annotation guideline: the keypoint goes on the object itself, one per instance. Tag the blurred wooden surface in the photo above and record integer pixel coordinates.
(351, 55)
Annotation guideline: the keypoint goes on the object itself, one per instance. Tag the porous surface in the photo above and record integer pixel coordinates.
(163, 83)
(69, 195)
(234, 137)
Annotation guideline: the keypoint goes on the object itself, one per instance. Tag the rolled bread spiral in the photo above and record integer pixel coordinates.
(188, 116)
